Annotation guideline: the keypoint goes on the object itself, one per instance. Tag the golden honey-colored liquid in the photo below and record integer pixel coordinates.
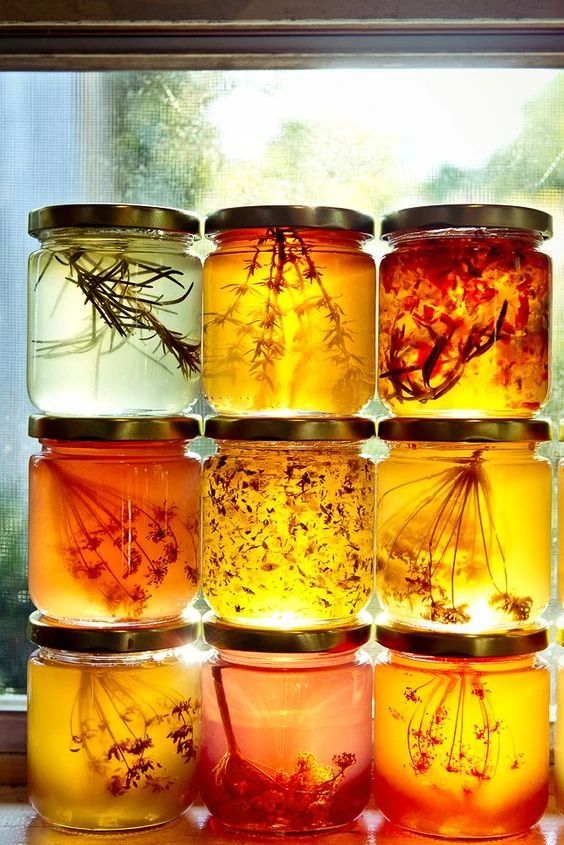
(112, 746)
(114, 531)
(559, 738)
(288, 532)
(289, 323)
(561, 531)
(464, 534)
(464, 326)
(461, 746)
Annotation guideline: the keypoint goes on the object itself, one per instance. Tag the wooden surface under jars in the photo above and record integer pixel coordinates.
(19, 825)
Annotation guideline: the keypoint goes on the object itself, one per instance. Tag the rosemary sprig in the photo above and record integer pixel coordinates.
(122, 295)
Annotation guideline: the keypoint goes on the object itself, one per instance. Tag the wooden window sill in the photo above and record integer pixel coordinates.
(19, 825)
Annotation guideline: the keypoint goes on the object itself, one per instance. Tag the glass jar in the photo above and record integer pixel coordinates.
(559, 727)
(288, 520)
(113, 724)
(286, 727)
(289, 293)
(114, 519)
(464, 522)
(464, 311)
(461, 731)
(114, 310)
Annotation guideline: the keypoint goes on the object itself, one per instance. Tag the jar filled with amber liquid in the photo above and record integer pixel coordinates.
(559, 727)
(464, 311)
(461, 731)
(113, 724)
(114, 519)
(114, 316)
(288, 520)
(464, 522)
(286, 727)
(289, 311)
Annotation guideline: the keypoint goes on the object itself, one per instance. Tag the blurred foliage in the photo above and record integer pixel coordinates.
(15, 605)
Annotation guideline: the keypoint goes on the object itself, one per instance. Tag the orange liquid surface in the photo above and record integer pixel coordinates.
(461, 750)
(114, 534)
(464, 327)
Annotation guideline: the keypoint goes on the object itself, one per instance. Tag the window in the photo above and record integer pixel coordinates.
(372, 139)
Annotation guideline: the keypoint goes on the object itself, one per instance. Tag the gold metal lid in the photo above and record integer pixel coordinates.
(110, 215)
(514, 642)
(289, 428)
(466, 216)
(113, 428)
(294, 216)
(49, 634)
(464, 431)
(331, 639)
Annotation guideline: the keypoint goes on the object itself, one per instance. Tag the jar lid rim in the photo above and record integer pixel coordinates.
(327, 639)
(466, 215)
(47, 633)
(44, 426)
(289, 428)
(430, 643)
(110, 215)
(298, 216)
(404, 429)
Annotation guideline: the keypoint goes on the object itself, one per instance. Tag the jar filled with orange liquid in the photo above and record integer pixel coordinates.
(559, 727)
(288, 520)
(113, 724)
(464, 311)
(114, 519)
(289, 311)
(464, 522)
(286, 727)
(461, 730)
(114, 317)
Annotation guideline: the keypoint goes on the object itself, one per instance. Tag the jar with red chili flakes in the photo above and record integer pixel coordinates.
(464, 311)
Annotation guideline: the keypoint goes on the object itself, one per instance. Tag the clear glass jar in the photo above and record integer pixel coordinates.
(114, 310)
(464, 311)
(461, 731)
(288, 520)
(114, 519)
(286, 727)
(289, 293)
(113, 724)
(464, 522)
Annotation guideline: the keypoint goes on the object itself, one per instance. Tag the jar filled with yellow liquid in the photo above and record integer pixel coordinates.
(288, 520)
(559, 730)
(464, 311)
(113, 724)
(114, 317)
(464, 522)
(289, 311)
(461, 730)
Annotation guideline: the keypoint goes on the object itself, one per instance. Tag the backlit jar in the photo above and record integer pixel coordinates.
(464, 311)
(288, 520)
(464, 522)
(286, 727)
(114, 519)
(114, 310)
(289, 311)
(561, 517)
(113, 724)
(559, 729)
(461, 731)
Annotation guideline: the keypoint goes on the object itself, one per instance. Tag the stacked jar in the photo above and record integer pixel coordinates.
(288, 517)
(114, 515)
(463, 520)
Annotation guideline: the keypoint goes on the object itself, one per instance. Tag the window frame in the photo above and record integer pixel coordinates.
(45, 36)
